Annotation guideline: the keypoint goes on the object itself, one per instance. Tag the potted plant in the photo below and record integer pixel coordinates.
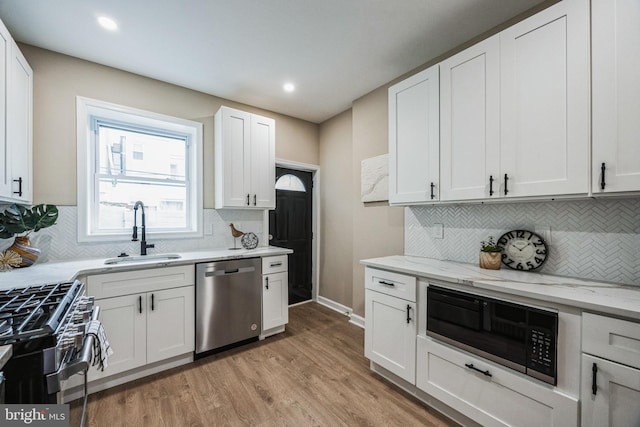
(490, 254)
(20, 221)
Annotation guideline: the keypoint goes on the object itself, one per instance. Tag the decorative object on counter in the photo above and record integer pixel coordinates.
(523, 250)
(20, 221)
(235, 233)
(490, 253)
(249, 240)
(9, 260)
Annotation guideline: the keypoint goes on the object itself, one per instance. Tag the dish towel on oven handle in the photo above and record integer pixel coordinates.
(101, 348)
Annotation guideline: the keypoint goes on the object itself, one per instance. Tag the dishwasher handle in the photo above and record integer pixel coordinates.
(222, 272)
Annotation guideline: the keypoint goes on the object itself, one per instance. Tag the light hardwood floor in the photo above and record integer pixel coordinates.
(315, 374)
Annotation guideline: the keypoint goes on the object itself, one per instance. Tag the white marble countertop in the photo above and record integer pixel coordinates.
(56, 272)
(609, 298)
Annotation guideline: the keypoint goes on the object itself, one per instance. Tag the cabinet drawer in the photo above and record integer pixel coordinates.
(497, 397)
(274, 264)
(137, 281)
(394, 284)
(613, 339)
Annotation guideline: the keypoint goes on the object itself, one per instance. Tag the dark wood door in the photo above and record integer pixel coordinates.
(290, 227)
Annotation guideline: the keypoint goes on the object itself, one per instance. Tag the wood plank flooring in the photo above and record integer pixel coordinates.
(314, 374)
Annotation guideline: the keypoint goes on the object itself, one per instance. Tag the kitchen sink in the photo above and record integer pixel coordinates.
(141, 258)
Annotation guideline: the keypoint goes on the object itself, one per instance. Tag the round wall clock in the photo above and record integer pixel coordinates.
(249, 240)
(523, 250)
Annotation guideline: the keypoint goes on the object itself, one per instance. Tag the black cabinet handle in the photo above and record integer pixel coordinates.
(470, 366)
(267, 280)
(248, 199)
(140, 304)
(382, 282)
(152, 306)
(506, 178)
(433, 196)
(255, 197)
(603, 183)
(19, 181)
(490, 185)
(594, 384)
(408, 313)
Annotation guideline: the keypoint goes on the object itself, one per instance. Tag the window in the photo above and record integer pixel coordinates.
(126, 155)
(290, 182)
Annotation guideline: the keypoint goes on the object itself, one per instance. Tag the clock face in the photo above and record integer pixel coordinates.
(523, 250)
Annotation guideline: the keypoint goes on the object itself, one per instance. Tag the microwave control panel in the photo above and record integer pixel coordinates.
(541, 350)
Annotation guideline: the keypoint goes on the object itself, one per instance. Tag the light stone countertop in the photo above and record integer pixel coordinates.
(604, 297)
(57, 272)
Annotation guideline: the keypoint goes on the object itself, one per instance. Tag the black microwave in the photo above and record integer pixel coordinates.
(520, 337)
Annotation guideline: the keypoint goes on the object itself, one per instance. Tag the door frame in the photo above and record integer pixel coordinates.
(315, 219)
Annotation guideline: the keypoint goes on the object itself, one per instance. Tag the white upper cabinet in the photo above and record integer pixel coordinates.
(544, 105)
(16, 134)
(615, 26)
(414, 139)
(244, 160)
(470, 122)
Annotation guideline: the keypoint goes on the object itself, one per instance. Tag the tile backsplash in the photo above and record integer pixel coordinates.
(59, 243)
(593, 239)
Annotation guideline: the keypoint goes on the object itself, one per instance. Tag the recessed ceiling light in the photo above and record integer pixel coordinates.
(107, 23)
(289, 87)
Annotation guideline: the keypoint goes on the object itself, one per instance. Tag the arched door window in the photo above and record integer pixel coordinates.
(290, 183)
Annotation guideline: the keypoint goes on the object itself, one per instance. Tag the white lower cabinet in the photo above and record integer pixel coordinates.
(390, 322)
(610, 391)
(487, 393)
(275, 294)
(148, 315)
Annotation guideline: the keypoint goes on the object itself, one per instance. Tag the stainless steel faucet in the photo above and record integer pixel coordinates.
(134, 238)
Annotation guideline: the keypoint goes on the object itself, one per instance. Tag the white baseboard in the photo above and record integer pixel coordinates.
(357, 320)
(335, 306)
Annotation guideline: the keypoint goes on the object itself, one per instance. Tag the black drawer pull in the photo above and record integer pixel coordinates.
(491, 185)
(506, 179)
(594, 384)
(470, 366)
(140, 304)
(266, 279)
(433, 196)
(152, 305)
(382, 282)
(603, 183)
(248, 199)
(275, 264)
(19, 181)
(255, 199)
(408, 313)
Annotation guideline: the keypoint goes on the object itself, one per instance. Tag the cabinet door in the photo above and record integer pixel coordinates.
(275, 307)
(5, 60)
(615, 402)
(390, 334)
(124, 321)
(414, 139)
(263, 162)
(233, 129)
(544, 106)
(470, 122)
(19, 125)
(170, 323)
(616, 91)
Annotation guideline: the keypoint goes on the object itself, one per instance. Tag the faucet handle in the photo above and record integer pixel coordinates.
(134, 237)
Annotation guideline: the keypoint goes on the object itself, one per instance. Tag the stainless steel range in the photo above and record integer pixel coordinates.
(46, 325)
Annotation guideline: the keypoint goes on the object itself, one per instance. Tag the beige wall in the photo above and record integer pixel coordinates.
(336, 218)
(58, 79)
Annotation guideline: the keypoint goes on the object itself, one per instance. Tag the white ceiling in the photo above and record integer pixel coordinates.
(335, 51)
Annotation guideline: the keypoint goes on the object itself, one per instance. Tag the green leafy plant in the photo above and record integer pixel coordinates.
(490, 245)
(20, 220)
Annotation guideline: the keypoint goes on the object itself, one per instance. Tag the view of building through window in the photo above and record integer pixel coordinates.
(140, 165)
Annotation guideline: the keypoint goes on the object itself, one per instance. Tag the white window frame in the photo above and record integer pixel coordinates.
(87, 164)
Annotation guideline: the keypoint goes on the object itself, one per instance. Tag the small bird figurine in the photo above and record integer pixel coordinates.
(235, 232)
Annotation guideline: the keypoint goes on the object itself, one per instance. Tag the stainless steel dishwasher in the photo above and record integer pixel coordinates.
(228, 302)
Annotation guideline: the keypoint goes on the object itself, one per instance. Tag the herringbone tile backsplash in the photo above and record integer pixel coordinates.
(593, 239)
(60, 243)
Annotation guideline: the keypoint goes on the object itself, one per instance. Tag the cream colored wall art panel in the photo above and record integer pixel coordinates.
(375, 179)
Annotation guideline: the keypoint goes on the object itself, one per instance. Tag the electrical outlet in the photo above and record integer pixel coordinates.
(545, 232)
(437, 231)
